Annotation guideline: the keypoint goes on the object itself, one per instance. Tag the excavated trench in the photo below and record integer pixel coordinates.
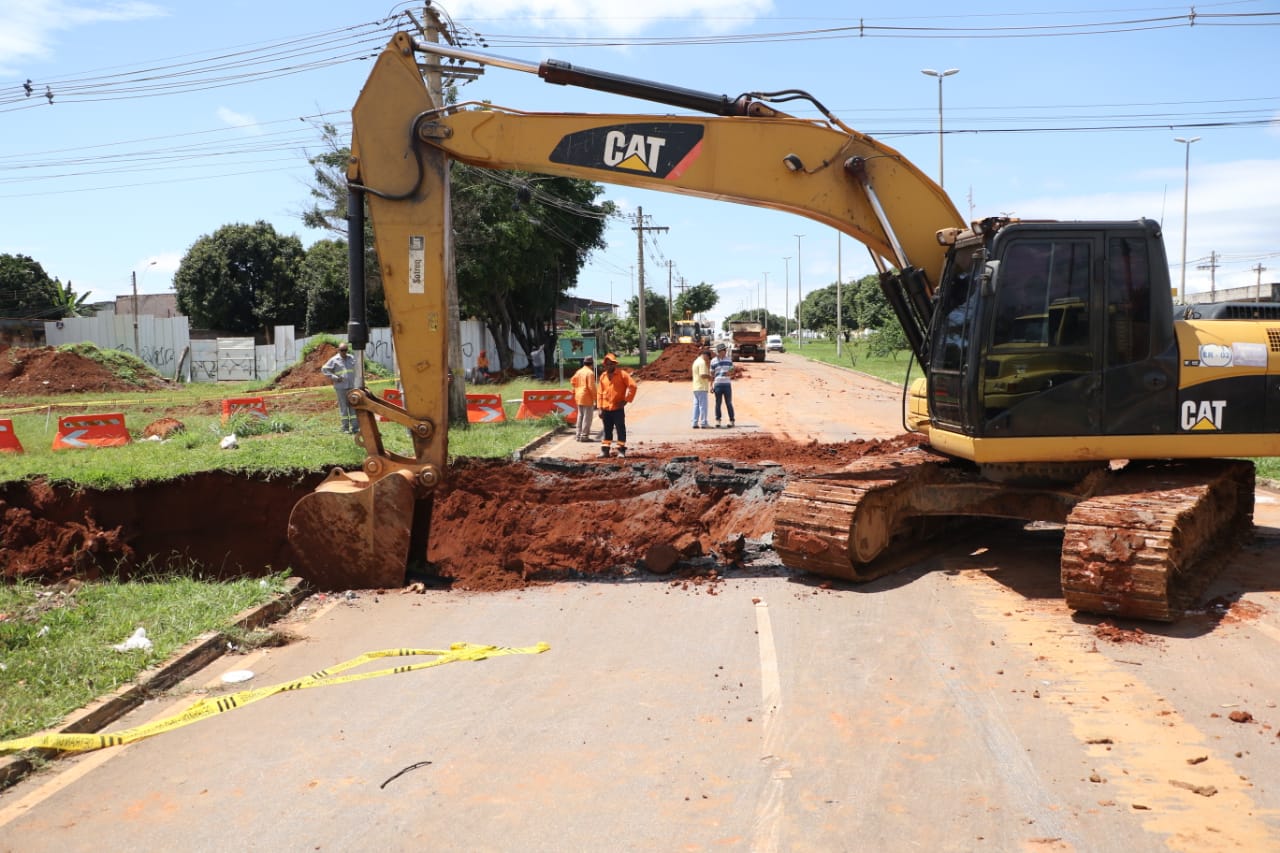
(495, 525)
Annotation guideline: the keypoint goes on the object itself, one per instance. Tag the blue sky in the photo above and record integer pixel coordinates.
(171, 119)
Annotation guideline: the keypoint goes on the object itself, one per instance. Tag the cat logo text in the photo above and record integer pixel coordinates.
(1199, 415)
(656, 149)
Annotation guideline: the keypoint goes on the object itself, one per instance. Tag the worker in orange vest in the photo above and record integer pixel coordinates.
(584, 395)
(616, 389)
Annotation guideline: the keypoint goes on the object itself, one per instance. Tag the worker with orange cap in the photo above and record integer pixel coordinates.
(615, 388)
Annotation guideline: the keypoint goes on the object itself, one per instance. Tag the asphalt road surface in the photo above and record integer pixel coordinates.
(955, 706)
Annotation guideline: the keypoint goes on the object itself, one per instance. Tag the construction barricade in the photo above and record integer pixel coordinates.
(485, 409)
(539, 404)
(8, 438)
(80, 431)
(235, 405)
(392, 395)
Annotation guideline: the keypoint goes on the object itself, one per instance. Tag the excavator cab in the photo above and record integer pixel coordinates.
(1055, 329)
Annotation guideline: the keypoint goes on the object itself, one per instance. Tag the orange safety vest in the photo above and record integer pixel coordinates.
(615, 391)
(584, 386)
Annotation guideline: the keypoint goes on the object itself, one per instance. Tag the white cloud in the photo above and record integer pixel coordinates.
(31, 26)
(1231, 210)
(607, 17)
(247, 123)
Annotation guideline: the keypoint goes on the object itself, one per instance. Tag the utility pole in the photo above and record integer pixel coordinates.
(434, 30)
(1259, 269)
(838, 277)
(786, 300)
(799, 298)
(640, 228)
(137, 350)
(671, 326)
(1212, 267)
(766, 304)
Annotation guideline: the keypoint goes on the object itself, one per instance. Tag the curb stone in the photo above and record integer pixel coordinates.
(192, 657)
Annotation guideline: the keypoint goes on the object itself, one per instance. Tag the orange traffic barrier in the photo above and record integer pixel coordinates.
(8, 438)
(485, 409)
(79, 431)
(539, 404)
(252, 405)
(392, 395)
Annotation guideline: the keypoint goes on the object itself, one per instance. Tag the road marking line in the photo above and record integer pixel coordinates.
(767, 825)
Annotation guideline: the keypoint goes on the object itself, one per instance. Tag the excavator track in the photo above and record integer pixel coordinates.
(838, 524)
(1141, 542)
(1153, 538)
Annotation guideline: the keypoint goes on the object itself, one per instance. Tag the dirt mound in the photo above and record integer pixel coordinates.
(306, 373)
(675, 364)
(33, 371)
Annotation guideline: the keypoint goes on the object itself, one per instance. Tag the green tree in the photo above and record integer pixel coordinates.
(242, 278)
(869, 308)
(328, 212)
(520, 242)
(625, 335)
(66, 303)
(818, 309)
(324, 284)
(655, 311)
(697, 299)
(26, 290)
(773, 322)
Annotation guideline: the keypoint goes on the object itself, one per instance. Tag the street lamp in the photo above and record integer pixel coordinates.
(1186, 189)
(799, 297)
(939, 74)
(766, 303)
(786, 300)
(137, 349)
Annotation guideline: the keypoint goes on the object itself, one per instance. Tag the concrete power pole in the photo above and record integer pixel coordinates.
(1259, 269)
(1212, 267)
(640, 228)
(432, 30)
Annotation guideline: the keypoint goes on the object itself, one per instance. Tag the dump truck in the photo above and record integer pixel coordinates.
(748, 339)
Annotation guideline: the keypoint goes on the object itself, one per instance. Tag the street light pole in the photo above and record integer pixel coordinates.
(939, 74)
(137, 349)
(839, 276)
(1186, 191)
(766, 303)
(786, 301)
(799, 298)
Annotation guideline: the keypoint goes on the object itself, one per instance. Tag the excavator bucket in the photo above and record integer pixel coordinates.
(353, 534)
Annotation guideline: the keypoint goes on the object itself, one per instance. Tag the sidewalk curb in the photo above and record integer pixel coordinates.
(197, 654)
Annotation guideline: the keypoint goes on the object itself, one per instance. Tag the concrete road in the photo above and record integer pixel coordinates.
(955, 706)
(786, 395)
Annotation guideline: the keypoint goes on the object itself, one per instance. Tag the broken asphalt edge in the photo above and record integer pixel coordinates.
(192, 657)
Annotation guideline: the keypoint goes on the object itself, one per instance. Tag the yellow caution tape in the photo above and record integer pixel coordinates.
(221, 704)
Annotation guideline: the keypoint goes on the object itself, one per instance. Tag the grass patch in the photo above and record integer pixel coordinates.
(856, 355)
(56, 644)
(299, 435)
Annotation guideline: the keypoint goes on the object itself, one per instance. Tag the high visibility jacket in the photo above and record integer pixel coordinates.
(584, 386)
(615, 391)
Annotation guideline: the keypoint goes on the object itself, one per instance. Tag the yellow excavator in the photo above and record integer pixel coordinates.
(1060, 384)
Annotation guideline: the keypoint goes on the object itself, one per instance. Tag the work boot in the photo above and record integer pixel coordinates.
(622, 452)
(604, 451)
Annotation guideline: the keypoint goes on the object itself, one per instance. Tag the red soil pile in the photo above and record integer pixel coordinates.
(34, 371)
(306, 373)
(673, 365)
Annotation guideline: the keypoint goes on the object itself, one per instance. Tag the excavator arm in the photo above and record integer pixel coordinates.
(402, 142)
